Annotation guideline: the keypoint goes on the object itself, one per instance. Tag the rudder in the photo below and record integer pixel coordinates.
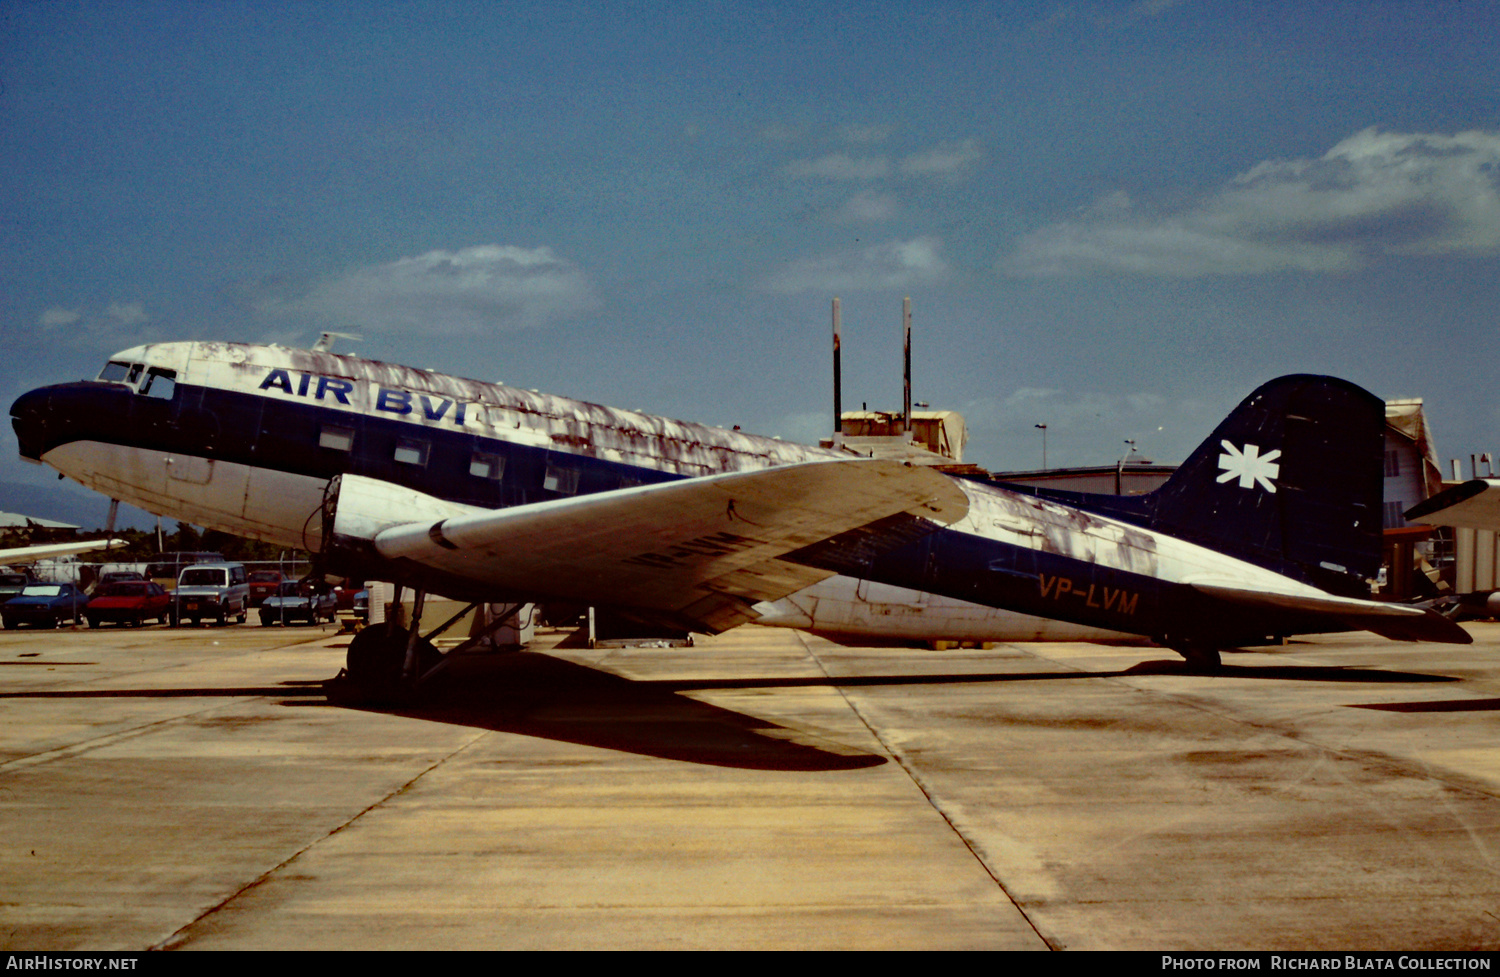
(1291, 480)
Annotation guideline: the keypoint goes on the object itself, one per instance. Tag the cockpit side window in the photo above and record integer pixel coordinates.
(160, 383)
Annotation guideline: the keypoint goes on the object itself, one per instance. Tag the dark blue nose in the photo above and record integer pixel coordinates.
(29, 417)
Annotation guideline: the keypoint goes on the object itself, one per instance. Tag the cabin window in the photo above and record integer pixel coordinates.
(336, 437)
(114, 371)
(410, 451)
(160, 383)
(482, 465)
(563, 480)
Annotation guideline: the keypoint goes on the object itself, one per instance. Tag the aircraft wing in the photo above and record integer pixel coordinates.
(703, 550)
(1401, 622)
(1474, 504)
(42, 551)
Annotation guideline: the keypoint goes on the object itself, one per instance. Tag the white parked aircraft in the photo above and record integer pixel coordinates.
(490, 493)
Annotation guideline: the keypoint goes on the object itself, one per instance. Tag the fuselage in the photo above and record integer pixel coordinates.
(245, 438)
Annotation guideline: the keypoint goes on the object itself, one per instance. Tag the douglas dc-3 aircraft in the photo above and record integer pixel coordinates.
(490, 493)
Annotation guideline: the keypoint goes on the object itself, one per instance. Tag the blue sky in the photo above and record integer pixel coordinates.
(1113, 218)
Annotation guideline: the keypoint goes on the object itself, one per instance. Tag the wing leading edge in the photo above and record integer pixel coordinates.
(703, 550)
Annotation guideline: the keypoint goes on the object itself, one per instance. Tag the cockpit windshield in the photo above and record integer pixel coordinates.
(160, 383)
(115, 371)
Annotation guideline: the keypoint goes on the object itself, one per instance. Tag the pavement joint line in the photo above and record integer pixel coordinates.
(180, 936)
(916, 780)
(1425, 770)
(99, 742)
(109, 739)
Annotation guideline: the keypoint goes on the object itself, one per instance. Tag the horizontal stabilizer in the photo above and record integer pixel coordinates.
(702, 549)
(1474, 504)
(1400, 622)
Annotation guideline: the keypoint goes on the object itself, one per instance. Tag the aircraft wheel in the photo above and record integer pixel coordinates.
(1203, 658)
(374, 663)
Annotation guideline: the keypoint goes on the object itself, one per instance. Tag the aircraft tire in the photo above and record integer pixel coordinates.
(373, 664)
(1203, 658)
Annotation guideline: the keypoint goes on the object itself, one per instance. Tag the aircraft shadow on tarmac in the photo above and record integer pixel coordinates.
(544, 696)
(551, 698)
(548, 697)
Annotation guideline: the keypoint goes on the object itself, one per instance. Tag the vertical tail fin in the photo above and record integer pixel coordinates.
(1291, 480)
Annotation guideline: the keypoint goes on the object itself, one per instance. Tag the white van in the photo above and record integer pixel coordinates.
(211, 592)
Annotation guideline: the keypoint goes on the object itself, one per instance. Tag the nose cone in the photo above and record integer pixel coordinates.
(28, 415)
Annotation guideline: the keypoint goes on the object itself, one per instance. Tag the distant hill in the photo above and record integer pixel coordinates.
(70, 502)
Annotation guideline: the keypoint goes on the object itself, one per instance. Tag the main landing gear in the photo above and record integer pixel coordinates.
(389, 662)
(1200, 657)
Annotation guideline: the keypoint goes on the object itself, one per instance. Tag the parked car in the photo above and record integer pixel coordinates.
(211, 591)
(44, 604)
(11, 584)
(114, 576)
(295, 601)
(263, 583)
(128, 602)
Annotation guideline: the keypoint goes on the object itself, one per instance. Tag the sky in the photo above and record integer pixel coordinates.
(1113, 218)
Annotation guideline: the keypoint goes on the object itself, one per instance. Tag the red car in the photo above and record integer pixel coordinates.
(263, 584)
(128, 602)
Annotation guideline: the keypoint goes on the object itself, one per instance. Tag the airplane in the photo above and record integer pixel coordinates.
(486, 493)
(42, 551)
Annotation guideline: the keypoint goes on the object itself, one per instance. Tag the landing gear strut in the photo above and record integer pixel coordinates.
(386, 661)
(389, 662)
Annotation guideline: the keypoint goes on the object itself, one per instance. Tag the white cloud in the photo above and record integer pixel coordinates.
(895, 264)
(488, 288)
(56, 317)
(841, 166)
(121, 323)
(868, 207)
(942, 160)
(864, 133)
(127, 313)
(1374, 194)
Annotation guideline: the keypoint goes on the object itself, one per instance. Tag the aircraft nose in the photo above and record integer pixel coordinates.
(29, 417)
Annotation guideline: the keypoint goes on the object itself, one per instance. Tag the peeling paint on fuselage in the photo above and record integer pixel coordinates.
(485, 409)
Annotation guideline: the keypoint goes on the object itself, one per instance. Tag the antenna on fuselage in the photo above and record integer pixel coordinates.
(325, 341)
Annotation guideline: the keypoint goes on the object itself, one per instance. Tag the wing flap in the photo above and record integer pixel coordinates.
(703, 548)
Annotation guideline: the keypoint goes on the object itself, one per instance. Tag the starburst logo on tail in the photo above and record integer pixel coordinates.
(1249, 466)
